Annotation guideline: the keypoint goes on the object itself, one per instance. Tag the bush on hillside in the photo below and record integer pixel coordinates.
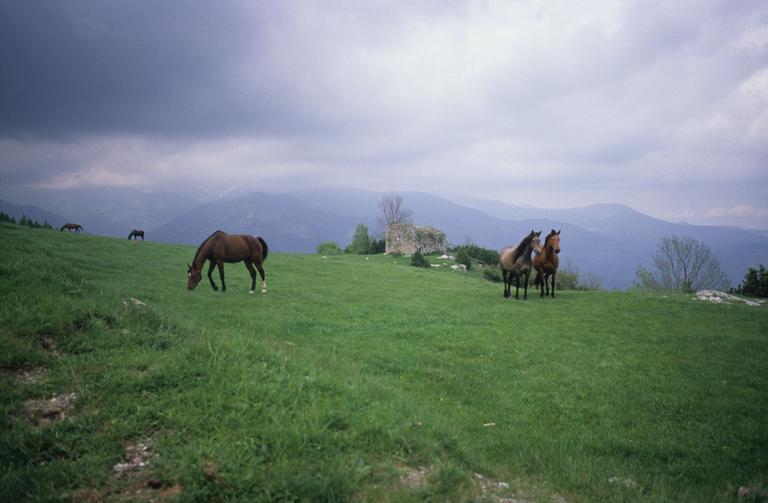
(328, 248)
(377, 246)
(493, 275)
(755, 282)
(477, 253)
(462, 257)
(418, 260)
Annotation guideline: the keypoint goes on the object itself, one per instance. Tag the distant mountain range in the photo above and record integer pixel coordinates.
(609, 240)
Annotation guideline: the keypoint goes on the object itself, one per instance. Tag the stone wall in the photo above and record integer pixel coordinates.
(407, 239)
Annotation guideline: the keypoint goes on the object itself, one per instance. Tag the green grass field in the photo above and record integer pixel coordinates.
(361, 379)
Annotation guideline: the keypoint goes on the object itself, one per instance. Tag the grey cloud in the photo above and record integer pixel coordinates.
(384, 92)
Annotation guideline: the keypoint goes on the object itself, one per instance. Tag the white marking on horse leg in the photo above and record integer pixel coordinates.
(264, 286)
(251, 291)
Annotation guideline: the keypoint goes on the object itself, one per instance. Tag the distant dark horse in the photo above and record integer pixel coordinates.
(136, 234)
(221, 247)
(72, 227)
(515, 261)
(546, 263)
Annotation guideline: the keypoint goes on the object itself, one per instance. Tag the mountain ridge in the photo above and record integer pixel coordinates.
(607, 239)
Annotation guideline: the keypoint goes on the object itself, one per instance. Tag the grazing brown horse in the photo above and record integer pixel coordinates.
(546, 263)
(136, 234)
(515, 261)
(221, 247)
(72, 227)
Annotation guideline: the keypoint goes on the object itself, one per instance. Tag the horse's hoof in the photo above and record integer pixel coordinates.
(251, 291)
(264, 290)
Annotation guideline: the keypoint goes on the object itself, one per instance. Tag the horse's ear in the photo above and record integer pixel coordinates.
(552, 231)
(558, 232)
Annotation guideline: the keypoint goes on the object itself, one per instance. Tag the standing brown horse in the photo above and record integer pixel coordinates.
(72, 227)
(515, 261)
(136, 234)
(546, 263)
(221, 247)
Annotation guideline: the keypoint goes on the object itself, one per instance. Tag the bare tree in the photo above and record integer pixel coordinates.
(393, 212)
(683, 263)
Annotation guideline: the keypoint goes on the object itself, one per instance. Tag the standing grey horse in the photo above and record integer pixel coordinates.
(515, 261)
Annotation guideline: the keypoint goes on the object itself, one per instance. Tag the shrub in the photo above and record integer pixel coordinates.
(483, 255)
(377, 246)
(755, 282)
(493, 275)
(328, 248)
(418, 260)
(462, 257)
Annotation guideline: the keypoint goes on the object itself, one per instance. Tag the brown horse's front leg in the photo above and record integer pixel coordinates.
(525, 291)
(210, 275)
(221, 275)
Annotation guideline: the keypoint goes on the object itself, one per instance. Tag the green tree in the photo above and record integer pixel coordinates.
(361, 242)
(418, 260)
(755, 282)
(328, 248)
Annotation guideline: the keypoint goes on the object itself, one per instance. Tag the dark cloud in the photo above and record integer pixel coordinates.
(391, 94)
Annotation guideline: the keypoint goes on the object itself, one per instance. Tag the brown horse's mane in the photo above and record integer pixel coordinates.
(199, 248)
(520, 248)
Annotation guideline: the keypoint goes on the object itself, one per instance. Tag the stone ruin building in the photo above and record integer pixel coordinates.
(407, 239)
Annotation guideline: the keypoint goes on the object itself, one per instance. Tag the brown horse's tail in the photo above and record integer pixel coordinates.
(264, 248)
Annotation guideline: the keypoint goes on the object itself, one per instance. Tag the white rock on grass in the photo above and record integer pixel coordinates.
(717, 297)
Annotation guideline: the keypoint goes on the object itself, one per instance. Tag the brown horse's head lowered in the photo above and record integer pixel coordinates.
(195, 275)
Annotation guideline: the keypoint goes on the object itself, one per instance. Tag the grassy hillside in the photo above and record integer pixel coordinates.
(357, 378)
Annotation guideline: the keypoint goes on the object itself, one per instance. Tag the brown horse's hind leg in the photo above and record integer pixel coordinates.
(505, 280)
(525, 292)
(211, 265)
(252, 272)
(263, 278)
(221, 275)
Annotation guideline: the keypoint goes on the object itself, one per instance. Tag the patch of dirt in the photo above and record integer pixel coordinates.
(138, 455)
(415, 478)
(752, 493)
(489, 489)
(30, 375)
(130, 301)
(132, 479)
(43, 412)
(49, 345)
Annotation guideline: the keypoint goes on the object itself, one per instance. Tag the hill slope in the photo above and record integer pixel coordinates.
(607, 240)
(362, 378)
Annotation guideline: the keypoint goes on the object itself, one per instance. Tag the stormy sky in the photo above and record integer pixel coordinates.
(659, 105)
